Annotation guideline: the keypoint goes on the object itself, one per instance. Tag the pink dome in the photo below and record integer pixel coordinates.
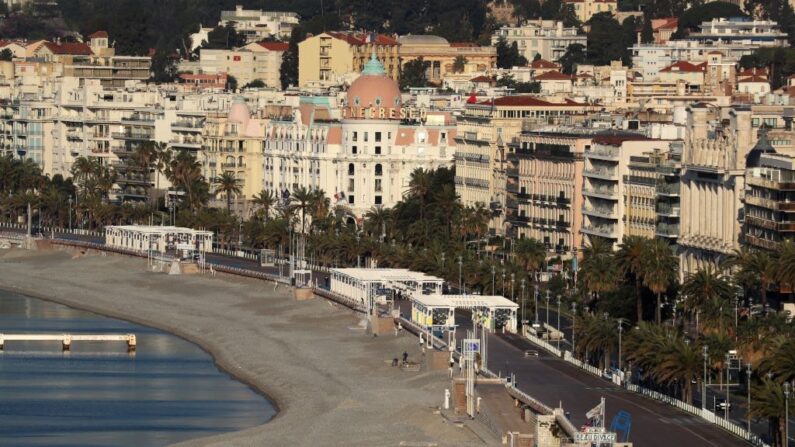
(374, 90)
(239, 113)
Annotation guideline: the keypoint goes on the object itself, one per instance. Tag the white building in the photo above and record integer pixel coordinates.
(256, 61)
(738, 30)
(257, 25)
(548, 38)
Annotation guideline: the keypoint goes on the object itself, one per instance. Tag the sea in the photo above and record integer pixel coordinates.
(169, 390)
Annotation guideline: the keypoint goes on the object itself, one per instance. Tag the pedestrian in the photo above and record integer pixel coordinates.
(394, 362)
(405, 356)
(400, 327)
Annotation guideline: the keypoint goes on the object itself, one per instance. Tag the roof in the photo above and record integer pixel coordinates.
(527, 101)
(422, 39)
(615, 138)
(464, 45)
(543, 63)
(482, 78)
(664, 23)
(362, 38)
(754, 79)
(385, 274)
(464, 301)
(98, 35)
(274, 46)
(553, 76)
(162, 230)
(716, 52)
(70, 48)
(684, 67)
(754, 71)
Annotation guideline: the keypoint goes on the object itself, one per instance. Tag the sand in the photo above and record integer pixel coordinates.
(332, 384)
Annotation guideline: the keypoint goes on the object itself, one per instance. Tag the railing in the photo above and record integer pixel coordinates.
(665, 208)
(668, 188)
(600, 172)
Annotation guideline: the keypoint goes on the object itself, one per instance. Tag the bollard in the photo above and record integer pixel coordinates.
(131, 343)
(447, 399)
(67, 342)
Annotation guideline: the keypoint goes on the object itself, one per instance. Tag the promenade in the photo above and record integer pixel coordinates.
(332, 384)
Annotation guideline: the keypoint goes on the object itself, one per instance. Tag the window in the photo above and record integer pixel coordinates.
(365, 136)
(351, 169)
(355, 136)
(350, 199)
(378, 170)
(378, 150)
(354, 150)
(378, 200)
(378, 137)
(378, 187)
(770, 122)
(754, 122)
(351, 184)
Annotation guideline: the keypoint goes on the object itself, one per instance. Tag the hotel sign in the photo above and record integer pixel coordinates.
(391, 113)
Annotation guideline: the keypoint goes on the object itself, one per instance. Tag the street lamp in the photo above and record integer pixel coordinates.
(560, 334)
(786, 414)
(358, 262)
(573, 326)
(70, 213)
(513, 278)
(460, 274)
(704, 383)
(535, 300)
(748, 379)
(728, 370)
(493, 275)
(620, 331)
(503, 282)
(442, 260)
(523, 312)
(547, 307)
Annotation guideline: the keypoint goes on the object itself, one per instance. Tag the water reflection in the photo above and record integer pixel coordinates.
(169, 391)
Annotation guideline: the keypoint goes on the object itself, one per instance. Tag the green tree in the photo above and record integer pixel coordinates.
(231, 83)
(414, 73)
(574, 55)
(224, 37)
(659, 267)
(605, 40)
(524, 10)
(264, 201)
(288, 71)
(302, 199)
(459, 64)
(630, 258)
(647, 32)
(508, 55)
(256, 83)
(769, 403)
(706, 291)
(6, 55)
(229, 185)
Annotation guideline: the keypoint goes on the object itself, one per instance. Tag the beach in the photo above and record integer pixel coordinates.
(332, 383)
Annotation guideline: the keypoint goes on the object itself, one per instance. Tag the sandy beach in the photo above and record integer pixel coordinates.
(332, 384)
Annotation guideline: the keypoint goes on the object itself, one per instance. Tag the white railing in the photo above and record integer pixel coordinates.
(543, 343)
(46, 230)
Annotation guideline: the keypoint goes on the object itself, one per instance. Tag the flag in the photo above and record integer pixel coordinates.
(597, 411)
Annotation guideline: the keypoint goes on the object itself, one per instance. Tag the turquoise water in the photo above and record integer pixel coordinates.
(98, 395)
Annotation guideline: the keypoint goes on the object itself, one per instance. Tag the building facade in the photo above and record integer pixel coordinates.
(257, 25)
(548, 38)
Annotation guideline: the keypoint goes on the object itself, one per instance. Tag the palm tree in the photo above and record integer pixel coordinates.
(659, 268)
(598, 270)
(706, 290)
(376, 220)
(680, 362)
(769, 403)
(630, 259)
(780, 359)
(265, 200)
(185, 173)
(302, 198)
(419, 187)
(446, 200)
(753, 270)
(785, 255)
(530, 253)
(229, 185)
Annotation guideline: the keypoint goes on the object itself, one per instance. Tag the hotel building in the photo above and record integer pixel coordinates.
(548, 38)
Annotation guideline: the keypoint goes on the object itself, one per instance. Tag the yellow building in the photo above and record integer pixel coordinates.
(442, 55)
(233, 143)
(325, 59)
(585, 9)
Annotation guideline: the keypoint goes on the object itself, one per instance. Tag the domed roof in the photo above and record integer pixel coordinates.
(762, 147)
(422, 39)
(239, 112)
(374, 90)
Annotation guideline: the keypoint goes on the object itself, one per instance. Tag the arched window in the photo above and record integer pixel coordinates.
(378, 170)
(351, 169)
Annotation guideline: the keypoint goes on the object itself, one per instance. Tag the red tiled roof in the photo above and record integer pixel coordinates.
(753, 79)
(527, 101)
(274, 46)
(77, 49)
(716, 52)
(361, 38)
(684, 67)
(98, 35)
(543, 63)
(664, 23)
(482, 78)
(753, 71)
(553, 76)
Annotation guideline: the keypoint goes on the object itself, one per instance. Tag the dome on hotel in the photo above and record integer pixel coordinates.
(239, 112)
(422, 39)
(374, 89)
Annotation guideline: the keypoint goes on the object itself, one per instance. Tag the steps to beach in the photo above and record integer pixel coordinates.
(67, 339)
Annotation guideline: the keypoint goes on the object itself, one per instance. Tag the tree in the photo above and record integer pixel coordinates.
(647, 32)
(231, 83)
(6, 55)
(524, 10)
(706, 291)
(531, 254)
(229, 185)
(605, 40)
(302, 198)
(630, 259)
(265, 200)
(769, 403)
(659, 267)
(256, 83)
(288, 71)
(598, 271)
(508, 55)
(414, 73)
(574, 55)
(518, 87)
(224, 37)
(691, 19)
(459, 64)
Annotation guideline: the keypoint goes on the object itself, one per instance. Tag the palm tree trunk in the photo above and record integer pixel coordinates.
(229, 203)
(658, 310)
(638, 299)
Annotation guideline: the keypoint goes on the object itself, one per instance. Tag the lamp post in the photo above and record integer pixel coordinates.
(573, 326)
(70, 213)
(513, 278)
(523, 312)
(442, 260)
(535, 301)
(620, 331)
(728, 369)
(493, 275)
(560, 334)
(705, 353)
(240, 235)
(547, 307)
(503, 282)
(748, 381)
(786, 414)
(460, 274)
(358, 262)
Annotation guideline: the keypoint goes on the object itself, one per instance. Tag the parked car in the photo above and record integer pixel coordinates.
(721, 405)
(531, 353)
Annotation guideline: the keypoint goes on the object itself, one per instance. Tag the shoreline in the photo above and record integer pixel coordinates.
(328, 383)
(174, 331)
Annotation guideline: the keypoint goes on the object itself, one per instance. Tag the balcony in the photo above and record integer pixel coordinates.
(139, 119)
(606, 212)
(517, 220)
(604, 153)
(511, 203)
(187, 126)
(606, 231)
(667, 230)
(761, 243)
(668, 189)
(665, 209)
(769, 204)
(600, 192)
(601, 173)
(771, 184)
(189, 144)
(512, 172)
(137, 136)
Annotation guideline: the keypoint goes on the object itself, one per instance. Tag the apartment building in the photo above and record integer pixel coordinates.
(548, 38)
(442, 55)
(740, 30)
(257, 25)
(545, 186)
(255, 61)
(585, 9)
(769, 202)
(612, 193)
(485, 130)
(330, 58)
